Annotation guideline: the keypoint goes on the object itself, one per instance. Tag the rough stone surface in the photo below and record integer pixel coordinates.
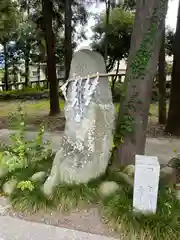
(108, 188)
(129, 170)
(89, 111)
(129, 180)
(166, 171)
(23, 230)
(38, 177)
(178, 194)
(9, 186)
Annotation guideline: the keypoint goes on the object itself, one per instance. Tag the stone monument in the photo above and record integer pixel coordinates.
(89, 111)
(146, 184)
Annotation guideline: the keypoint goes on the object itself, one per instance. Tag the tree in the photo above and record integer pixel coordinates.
(29, 34)
(108, 5)
(173, 121)
(27, 48)
(47, 9)
(163, 70)
(74, 13)
(169, 39)
(129, 5)
(162, 82)
(118, 35)
(68, 37)
(26, 39)
(8, 23)
(141, 69)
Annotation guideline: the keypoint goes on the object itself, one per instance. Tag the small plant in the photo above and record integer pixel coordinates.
(26, 185)
(22, 152)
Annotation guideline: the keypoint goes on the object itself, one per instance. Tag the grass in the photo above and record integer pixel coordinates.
(37, 112)
(165, 224)
(36, 107)
(117, 209)
(31, 107)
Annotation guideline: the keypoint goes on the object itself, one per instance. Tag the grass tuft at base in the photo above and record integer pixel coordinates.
(165, 224)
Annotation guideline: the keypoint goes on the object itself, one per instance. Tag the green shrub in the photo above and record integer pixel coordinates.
(26, 94)
(23, 152)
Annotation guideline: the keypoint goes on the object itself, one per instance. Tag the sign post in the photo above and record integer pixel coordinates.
(146, 184)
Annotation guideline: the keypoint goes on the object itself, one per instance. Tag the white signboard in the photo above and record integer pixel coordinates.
(146, 184)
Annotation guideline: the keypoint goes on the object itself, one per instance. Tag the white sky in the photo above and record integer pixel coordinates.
(170, 20)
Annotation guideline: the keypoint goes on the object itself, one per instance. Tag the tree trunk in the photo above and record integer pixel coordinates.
(108, 5)
(27, 51)
(115, 78)
(113, 4)
(162, 82)
(27, 60)
(38, 73)
(6, 67)
(47, 8)
(173, 121)
(68, 38)
(141, 69)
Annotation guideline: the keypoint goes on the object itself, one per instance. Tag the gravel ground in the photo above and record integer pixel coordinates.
(86, 220)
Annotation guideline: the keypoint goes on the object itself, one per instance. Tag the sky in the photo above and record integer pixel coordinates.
(170, 19)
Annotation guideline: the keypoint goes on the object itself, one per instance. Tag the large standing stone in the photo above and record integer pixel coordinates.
(89, 112)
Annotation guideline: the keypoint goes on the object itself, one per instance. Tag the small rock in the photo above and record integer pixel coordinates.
(108, 188)
(177, 193)
(129, 170)
(49, 185)
(174, 162)
(166, 171)
(168, 175)
(38, 177)
(9, 186)
(129, 180)
(3, 171)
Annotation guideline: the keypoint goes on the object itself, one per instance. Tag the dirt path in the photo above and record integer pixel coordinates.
(86, 220)
(162, 147)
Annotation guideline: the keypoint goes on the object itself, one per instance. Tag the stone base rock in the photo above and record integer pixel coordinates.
(3, 171)
(129, 170)
(9, 187)
(129, 180)
(108, 188)
(168, 175)
(166, 171)
(177, 192)
(38, 177)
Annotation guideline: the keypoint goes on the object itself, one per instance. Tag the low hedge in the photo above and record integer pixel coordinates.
(25, 95)
(39, 94)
